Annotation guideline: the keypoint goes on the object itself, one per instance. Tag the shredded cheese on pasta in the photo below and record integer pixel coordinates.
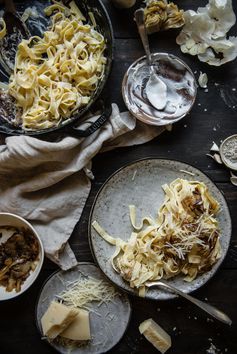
(57, 74)
(182, 239)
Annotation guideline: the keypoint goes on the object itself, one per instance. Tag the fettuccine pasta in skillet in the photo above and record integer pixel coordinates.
(183, 239)
(57, 74)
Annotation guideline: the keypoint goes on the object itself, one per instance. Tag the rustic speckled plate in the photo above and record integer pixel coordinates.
(108, 322)
(139, 183)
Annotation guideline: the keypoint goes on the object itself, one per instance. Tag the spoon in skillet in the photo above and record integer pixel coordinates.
(16, 30)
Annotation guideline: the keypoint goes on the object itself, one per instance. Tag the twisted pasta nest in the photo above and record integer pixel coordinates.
(160, 15)
(57, 74)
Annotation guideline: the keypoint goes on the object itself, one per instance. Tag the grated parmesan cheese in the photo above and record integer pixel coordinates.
(85, 291)
(188, 172)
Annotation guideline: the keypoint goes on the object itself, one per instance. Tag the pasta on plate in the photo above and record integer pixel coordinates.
(57, 74)
(182, 239)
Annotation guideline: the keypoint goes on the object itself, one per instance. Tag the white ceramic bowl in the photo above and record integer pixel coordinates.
(7, 219)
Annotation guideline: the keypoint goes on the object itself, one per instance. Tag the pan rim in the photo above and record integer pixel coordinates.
(10, 130)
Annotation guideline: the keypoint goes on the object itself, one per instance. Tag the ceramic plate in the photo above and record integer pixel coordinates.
(108, 321)
(140, 184)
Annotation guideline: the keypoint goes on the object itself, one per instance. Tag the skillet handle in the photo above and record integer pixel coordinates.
(80, 133)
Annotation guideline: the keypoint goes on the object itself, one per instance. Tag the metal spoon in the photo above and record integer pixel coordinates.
(211, 310)
(156, 89)
(16, 31)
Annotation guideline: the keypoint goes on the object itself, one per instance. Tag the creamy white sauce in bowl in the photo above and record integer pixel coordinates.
(181, 89)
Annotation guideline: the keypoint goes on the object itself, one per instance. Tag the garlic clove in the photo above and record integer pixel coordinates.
(233, 180)
(214, 147)
(202, 80)
(216, 157)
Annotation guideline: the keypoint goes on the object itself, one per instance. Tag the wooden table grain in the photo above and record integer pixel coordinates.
(213, 118)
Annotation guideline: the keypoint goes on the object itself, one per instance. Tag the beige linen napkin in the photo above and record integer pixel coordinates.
(48, 183)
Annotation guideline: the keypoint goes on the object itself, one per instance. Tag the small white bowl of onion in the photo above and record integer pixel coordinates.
(21, 255)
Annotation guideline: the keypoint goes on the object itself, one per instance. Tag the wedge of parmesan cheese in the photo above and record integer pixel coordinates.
(56, 319)
(155, 335)
(79, 328)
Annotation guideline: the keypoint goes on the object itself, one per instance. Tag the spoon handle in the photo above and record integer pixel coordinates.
(139, 18)
(213, 311)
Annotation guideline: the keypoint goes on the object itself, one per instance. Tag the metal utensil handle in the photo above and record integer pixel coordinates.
(139, 18)
(213, 311)
(80, 133)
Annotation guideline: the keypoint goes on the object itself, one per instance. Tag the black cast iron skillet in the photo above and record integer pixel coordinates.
(37, 26)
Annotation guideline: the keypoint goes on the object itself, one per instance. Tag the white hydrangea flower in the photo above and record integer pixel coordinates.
(204, 33)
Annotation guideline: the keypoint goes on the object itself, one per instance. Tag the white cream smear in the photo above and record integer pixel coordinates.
(156, 91)
(163, 98)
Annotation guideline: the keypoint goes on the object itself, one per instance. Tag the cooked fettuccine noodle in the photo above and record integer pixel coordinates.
(184, 238)
(57, 74)
(3, 28)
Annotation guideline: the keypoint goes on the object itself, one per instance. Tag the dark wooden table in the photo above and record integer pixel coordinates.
(212, 119)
